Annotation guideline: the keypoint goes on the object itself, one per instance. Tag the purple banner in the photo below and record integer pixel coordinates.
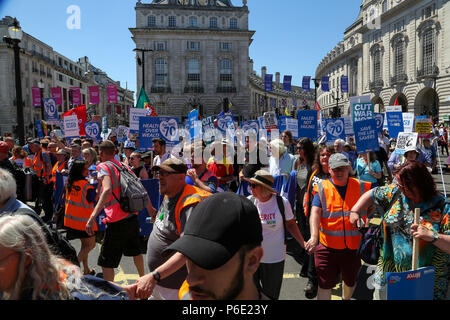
(287, 83)
(76, 96)
(57, 95)
(112, 93)
(36, 93)
(94, 95)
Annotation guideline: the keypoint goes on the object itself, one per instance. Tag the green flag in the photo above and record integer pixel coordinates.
(143, 100)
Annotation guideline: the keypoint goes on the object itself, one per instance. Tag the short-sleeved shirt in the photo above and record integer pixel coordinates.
(362, 170)
(211, 183)
(433, 215)
(283, 165)
(165, 233)
(272, 227)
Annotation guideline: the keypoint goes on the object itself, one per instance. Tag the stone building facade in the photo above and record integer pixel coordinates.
(199, 58)
(40, 63)
(395, 51)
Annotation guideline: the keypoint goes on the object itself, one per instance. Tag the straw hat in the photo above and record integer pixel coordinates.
(262, 178)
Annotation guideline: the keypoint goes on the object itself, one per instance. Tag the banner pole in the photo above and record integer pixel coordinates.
(415, 253)
(440, 167)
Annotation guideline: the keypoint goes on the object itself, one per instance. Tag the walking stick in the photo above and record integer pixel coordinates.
(415, 253)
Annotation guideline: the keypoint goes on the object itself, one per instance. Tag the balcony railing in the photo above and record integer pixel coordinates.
(428, 72)
(161, 90)
(194, 89)
(226, 90)
(377, 84)
(399, 79)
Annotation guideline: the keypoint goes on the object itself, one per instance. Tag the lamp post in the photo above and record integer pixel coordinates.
(336, 113)
(142, 63)
(15, 37)
(41, 86)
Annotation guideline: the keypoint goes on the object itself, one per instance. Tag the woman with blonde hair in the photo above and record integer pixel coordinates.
(19, 155)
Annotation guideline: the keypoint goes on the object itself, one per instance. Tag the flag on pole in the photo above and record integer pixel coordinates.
(144, 103)
(317, 106)
(396, 102)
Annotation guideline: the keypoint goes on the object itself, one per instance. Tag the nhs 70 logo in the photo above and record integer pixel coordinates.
(92, 129)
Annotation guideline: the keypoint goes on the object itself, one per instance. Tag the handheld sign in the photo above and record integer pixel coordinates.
(71, 126)
(307, 124)
(335, 129)
(411, 285)
(366, 136)
(93, 131)
(405, 140)
(148, 129)
(250, 126)
(270, 120)
(362, 111)
(194, 128)
(379, 119)
(51, 111)
(408, 122)
(423, 127)
(135, 115)
(208, 129)
(168, 130)
(222, 122)
(348, 124)
(394, 123)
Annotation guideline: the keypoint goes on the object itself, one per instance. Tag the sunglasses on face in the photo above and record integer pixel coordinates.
(253, 185)
(163, 173)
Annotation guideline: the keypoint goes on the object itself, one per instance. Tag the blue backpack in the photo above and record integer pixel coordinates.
(93, 288)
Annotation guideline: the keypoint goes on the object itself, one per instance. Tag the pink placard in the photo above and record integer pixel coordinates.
(112, 93)
(57, 95)
(36, 94)
(94, 95)
(76, 96)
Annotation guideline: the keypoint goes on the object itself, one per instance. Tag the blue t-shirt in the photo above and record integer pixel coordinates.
(341, 189)
(362, 170)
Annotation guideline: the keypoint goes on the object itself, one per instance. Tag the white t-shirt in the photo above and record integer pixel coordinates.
(272, 228)
(158, 160)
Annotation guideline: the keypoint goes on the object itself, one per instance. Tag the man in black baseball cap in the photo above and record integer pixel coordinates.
(222, 245)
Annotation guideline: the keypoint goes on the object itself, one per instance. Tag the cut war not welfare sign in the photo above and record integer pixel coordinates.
(362, 111)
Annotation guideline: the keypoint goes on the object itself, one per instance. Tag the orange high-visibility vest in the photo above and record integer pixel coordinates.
(307, 193)
(189, 196)
(38, 165)
(78, 210)
(27, 162)
(58, 167)
(336, 231)
(183, 293)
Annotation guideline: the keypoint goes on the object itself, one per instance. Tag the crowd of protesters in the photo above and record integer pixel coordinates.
(336, 191)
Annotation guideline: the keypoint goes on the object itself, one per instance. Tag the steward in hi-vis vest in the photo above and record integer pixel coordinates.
(78, 210)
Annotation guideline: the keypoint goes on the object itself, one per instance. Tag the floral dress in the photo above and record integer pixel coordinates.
(396, 250)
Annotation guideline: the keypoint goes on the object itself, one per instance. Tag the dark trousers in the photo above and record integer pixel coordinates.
(269, 277)
(444, 145)
(45, 201)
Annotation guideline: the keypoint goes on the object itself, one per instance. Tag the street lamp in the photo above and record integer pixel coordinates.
(15, 37)
(336, 112)
(41, 86)
(142, 62)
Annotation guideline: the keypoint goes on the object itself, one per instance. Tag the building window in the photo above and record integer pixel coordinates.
(213, 22)
(193, 46)
(225, 46)
(193, 73)
(233, 23)
(161, 72)
(384, 6)
(398, 58)
(377, 65)
(428, 50)
(399, 26)
(428, 11)
(160, 46)
(193, 22)
(172, 21)
(226, 73)
(152, 21)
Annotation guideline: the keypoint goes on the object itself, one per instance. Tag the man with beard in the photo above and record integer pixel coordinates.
(200, 175)
(168, 273)
(222, 245)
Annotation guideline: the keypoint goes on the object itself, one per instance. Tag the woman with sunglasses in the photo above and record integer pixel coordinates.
(414, 188)
(269, 275)
(321, 172)
(138, 168)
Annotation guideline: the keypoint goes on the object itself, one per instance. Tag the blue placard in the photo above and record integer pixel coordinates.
(168, 130)
(39, 129)
(344, 83)
(104, 124)
(148, 129)
(268, 80)
(250, 126)
(93, 130)
(335, 129)
(222, 122)
(306, 83)
(282, 125)
(366, 135)
(194, 128)
(411, 285)
(307, 124)
(379, 118)
(394, 123)
(51, 111)
(287, 83)
(325, 84)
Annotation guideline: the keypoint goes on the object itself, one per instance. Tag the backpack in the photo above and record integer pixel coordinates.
(133, 195)
(58, 244)
(93, 288)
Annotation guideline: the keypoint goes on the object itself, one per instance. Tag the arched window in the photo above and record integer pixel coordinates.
(213, 22)
(226, 73)
(233, 23)
(161, 79)
(428, 51)
(399, 65)
(193, 73)
(376, 65)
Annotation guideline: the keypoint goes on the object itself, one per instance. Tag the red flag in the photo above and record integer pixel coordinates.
(150, 110)
(396, 102)
(317, 106)
(80, 111)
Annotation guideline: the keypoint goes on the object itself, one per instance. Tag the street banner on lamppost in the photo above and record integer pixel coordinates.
(111, 90)
(57, 95)
(36, 94)
(306, 83)
(287, 83)
(76, 96)
(94, 95)
(268, 80)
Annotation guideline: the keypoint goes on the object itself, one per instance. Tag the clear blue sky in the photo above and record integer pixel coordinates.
(292, 36)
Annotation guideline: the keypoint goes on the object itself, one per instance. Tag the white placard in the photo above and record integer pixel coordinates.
(405, 140)
(135, 114)
(408, 122)
(71, 128)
